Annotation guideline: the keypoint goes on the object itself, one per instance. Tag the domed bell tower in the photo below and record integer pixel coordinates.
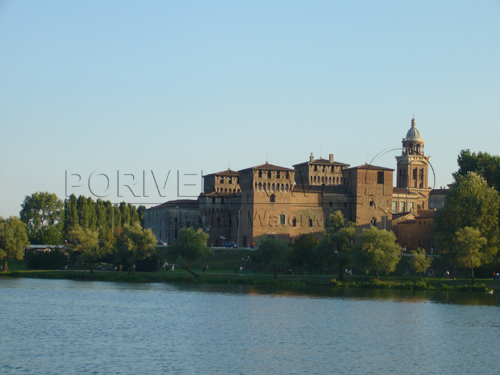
(413, 165)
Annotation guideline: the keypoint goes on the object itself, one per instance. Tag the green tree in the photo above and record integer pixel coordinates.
(141, 212)
(482, 163)
(134, 216)
(83, 212)
(469, 203)
(189, 247)
(125, 211)
(43, 215)
(13, 239)
(468, 245)
(376, 250)
(302, 252)
(86, 242)
(420, 262)
(134, 244)
(92, 217)
(101, 219)
(70, 215)
(274, 253)
(116, 219)
(337, 243)
(53, 260)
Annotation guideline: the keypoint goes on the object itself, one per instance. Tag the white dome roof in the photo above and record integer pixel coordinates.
(413, 134)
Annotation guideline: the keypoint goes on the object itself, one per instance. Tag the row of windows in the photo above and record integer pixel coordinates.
(229, 179)
(402, 206)
(324, 168)
(272, 187)
(327, 180)
(278, 174)
(226, 190)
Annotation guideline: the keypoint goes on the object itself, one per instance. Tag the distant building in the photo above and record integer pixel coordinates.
(284, 203)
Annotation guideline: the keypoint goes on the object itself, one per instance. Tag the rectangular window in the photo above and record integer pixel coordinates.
(310, 223)
(402, 206)
(282, 219)
(331, 204)
(372, 203)
(394, 206)
(294, 222)
(380, 178)
(412, 206)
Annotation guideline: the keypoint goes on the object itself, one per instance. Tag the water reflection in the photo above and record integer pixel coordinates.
(406, 296)
(64, 326)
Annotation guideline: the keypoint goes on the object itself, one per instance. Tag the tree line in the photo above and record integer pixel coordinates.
(49, 220)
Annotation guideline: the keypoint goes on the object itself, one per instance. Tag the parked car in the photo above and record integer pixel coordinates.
(161, 243)
(231, 244)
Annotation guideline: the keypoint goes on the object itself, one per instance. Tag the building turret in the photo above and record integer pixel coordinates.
(413, 165)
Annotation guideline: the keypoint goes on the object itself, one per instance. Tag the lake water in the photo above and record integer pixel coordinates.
(71, 327)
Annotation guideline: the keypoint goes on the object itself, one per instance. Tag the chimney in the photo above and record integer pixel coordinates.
(311, 158)
(331, 158)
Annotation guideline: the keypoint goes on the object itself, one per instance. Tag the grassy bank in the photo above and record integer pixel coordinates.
(223, 264)
(214, 277)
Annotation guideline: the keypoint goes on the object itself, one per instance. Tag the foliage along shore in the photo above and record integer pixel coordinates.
(363, 282)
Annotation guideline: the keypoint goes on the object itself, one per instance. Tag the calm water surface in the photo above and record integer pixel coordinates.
(71, 327)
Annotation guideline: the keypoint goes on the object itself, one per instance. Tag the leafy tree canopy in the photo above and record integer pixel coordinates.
(86, 242)
(302, 251)
(420, 262)
(13, 239)
(467, 245)
(42, 213)
(189, 247)
(274, 253)
(469, 203)
(135, 243)
(337, 243)
(376, 250)
(482, 163)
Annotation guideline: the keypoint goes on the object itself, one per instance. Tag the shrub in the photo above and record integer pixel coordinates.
(46, 261)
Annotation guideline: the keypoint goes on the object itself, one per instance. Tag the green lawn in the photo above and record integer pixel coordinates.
(224, 262)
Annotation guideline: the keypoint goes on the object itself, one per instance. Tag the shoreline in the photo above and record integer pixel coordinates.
(316, 281)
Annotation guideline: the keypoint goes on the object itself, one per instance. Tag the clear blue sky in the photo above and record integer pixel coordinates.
(200, 85)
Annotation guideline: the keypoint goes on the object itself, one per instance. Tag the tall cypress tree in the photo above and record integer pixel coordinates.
(134, 216)
(83, 217)
(91, 207)
(117, 220)
(101, 218)
(141, 211)
(70, 214)
(125, 214)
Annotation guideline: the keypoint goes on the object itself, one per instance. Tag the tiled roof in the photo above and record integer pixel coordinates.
(228, 172)
(268, 167)
(370, 166)
(322, 161)
(181, 203)
(423, 214)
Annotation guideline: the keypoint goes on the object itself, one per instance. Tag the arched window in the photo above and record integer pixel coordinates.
(282, 187)
(260, 186)
(272, 187)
